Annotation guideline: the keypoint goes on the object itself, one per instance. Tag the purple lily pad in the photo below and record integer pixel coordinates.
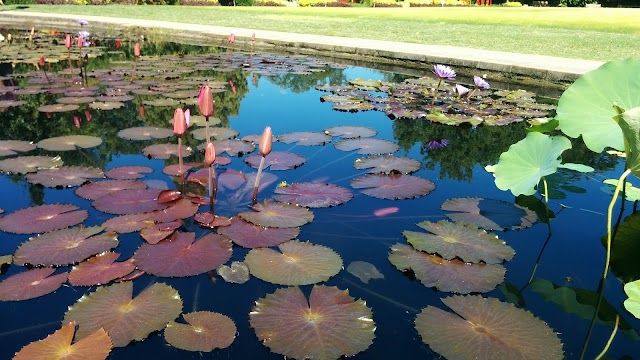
(393, 186)
(313, 195)
(276, 160)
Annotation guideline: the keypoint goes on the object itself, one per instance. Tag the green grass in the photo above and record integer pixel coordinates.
(597, 34)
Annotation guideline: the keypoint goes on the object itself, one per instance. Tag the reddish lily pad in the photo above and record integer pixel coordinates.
(64, 176)
(111, 105)
(217, 133)
(278, 215)
(181, 209)
(99, 270)
(487, 328)
(128, 223)
(133, 201)
(489, 214)
(467, 242)
(388, 164)
(155, 233)
(394, 186)
(69, 142)
(31, 284)
(351, 132)
(125, 318)
(367, 146)
(180, 256)
(305, 138)
(249, 235)
(58, 108)
(145, 133)
(174, 170)
(278, 316)
(128, 172)
(237, 273)
(447, 275)
(298, 263)
(233, 147)
(98, 189)
(27, 164)
(276, 160)
(76, 100)
(164, 151)
(57, 346)
(313, 195)
(65, 246)
(37, 219)
(207, 331)
(12, 147)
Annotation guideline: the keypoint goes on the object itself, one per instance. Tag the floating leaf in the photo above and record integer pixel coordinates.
(133, 201)
(237, 273)
(37, 219)
(162, 102)
(164, 151)
(305, 138)
(387, 164)
(486, 328)
(521, 167)
(125, 318)
(99, 270)
(313, 194)
(446, 275)
(12, 147)
(181, 209)
(298, 263)
(64, 176)
(27, 164)
(181, 256)
(57, 346)
(128, 223)
(58, 108)
(364, 271)
(467, 242)
(489, 214)
(586, 107)
(625, 249)
(249, 235)
(217, 133)
(207, 331)
(276, 317)
(393, 187)
(145, 133)
(155, 233)
(233, 147)
(76, 100)
(111, 105)
(367, 146)
(31, 284)
(276, 160)
(95, 190)
(69, 142)
(128, 172)
(278, 215)
(63, 247)
(632, 304)
(351, 132)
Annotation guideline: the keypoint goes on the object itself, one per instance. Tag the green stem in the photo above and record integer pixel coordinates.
(609, 213)
(435, 93)
(613, 334)
(594, 318)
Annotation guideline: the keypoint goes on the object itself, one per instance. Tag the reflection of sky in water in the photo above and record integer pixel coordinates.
(353, 232)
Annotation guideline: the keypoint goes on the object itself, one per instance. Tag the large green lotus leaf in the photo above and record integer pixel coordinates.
(327, 326)
(631, 193)
(298, 263)
(467, 242)
(521, 167)
(632, 304)
(125, 318)
(629, 122)
(581, 303)
(586, 107)
(486, 328)
(625, 249)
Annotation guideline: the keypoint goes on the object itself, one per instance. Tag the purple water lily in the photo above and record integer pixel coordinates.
(481, 83)
(437, 144)
(443, 72)
(461, 90)
(82, 22)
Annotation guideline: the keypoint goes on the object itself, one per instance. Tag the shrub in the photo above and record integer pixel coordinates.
(19, 2)
(386, 3)
(512, 4)
(269, 3)
(199, 3)
(60, 2)
(429, 3)
(321, 3)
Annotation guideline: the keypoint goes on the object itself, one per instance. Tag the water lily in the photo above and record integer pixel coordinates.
(479, 83)
(136, 53)
(82, 22)
(437, 144)
(67, 41)
(461, 90)
(264, 146)
(209, 159)
(205, 103)
(179, 128)
(84, 34)
(442, 72)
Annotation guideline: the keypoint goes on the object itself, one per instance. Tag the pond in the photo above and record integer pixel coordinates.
(355, 146)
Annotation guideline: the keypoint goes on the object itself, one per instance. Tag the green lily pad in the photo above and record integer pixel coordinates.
(586, 107)
(625, 249)
(632, 304)
(629, 122)
(521, 167)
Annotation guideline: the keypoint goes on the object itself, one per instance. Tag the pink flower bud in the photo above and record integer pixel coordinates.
(41, 60)
(266, 141)
(179, 122)
(210, 154)
(80, 42)
(136, 50)
(67, 41)
(205, 101)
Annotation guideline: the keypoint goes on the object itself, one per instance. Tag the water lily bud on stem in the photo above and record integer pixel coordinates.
(136, 50)
(67, 41)
(205, 101)
(266, 141)
(179, 122)
(210, 154)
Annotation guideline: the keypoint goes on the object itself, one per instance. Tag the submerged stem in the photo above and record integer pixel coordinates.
(257, 183)
(609, 214)
(613, 334)
(435, 93)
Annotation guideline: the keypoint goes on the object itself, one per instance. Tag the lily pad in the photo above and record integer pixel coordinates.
(237, 273)
(297, 263)
(31, 284)
(37, 219)
(165, 151)
(128, 223)
(233, 147)
(66, 246)
(58, 108)
(95, 190)
(57, 346)
(64, 176)
(467, 242)
(276, 160)
(12, 147)
(285, 312)
(27, 164)
(394, 186)
(489, 214)
(249, 235)
(367, 146)
(206, 332)
(131, 201)
(313, 194)
(632, 304)
(364, 271)
(486, 328)
(351, 132)
(277, 215)
(101, 105)
(182, 256)
(123, 317)
(387, 164)
(99, 270)
(69, 142)
(446, 275)
(145, 133)
(217, 133)
(305, 138)
(128, 172)
(625, 249)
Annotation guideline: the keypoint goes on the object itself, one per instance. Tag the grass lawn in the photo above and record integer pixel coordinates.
(582, 33)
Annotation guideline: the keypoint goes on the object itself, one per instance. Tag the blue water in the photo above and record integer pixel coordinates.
(573, 257)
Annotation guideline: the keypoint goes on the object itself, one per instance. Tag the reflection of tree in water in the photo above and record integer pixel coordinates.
(301, 83)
